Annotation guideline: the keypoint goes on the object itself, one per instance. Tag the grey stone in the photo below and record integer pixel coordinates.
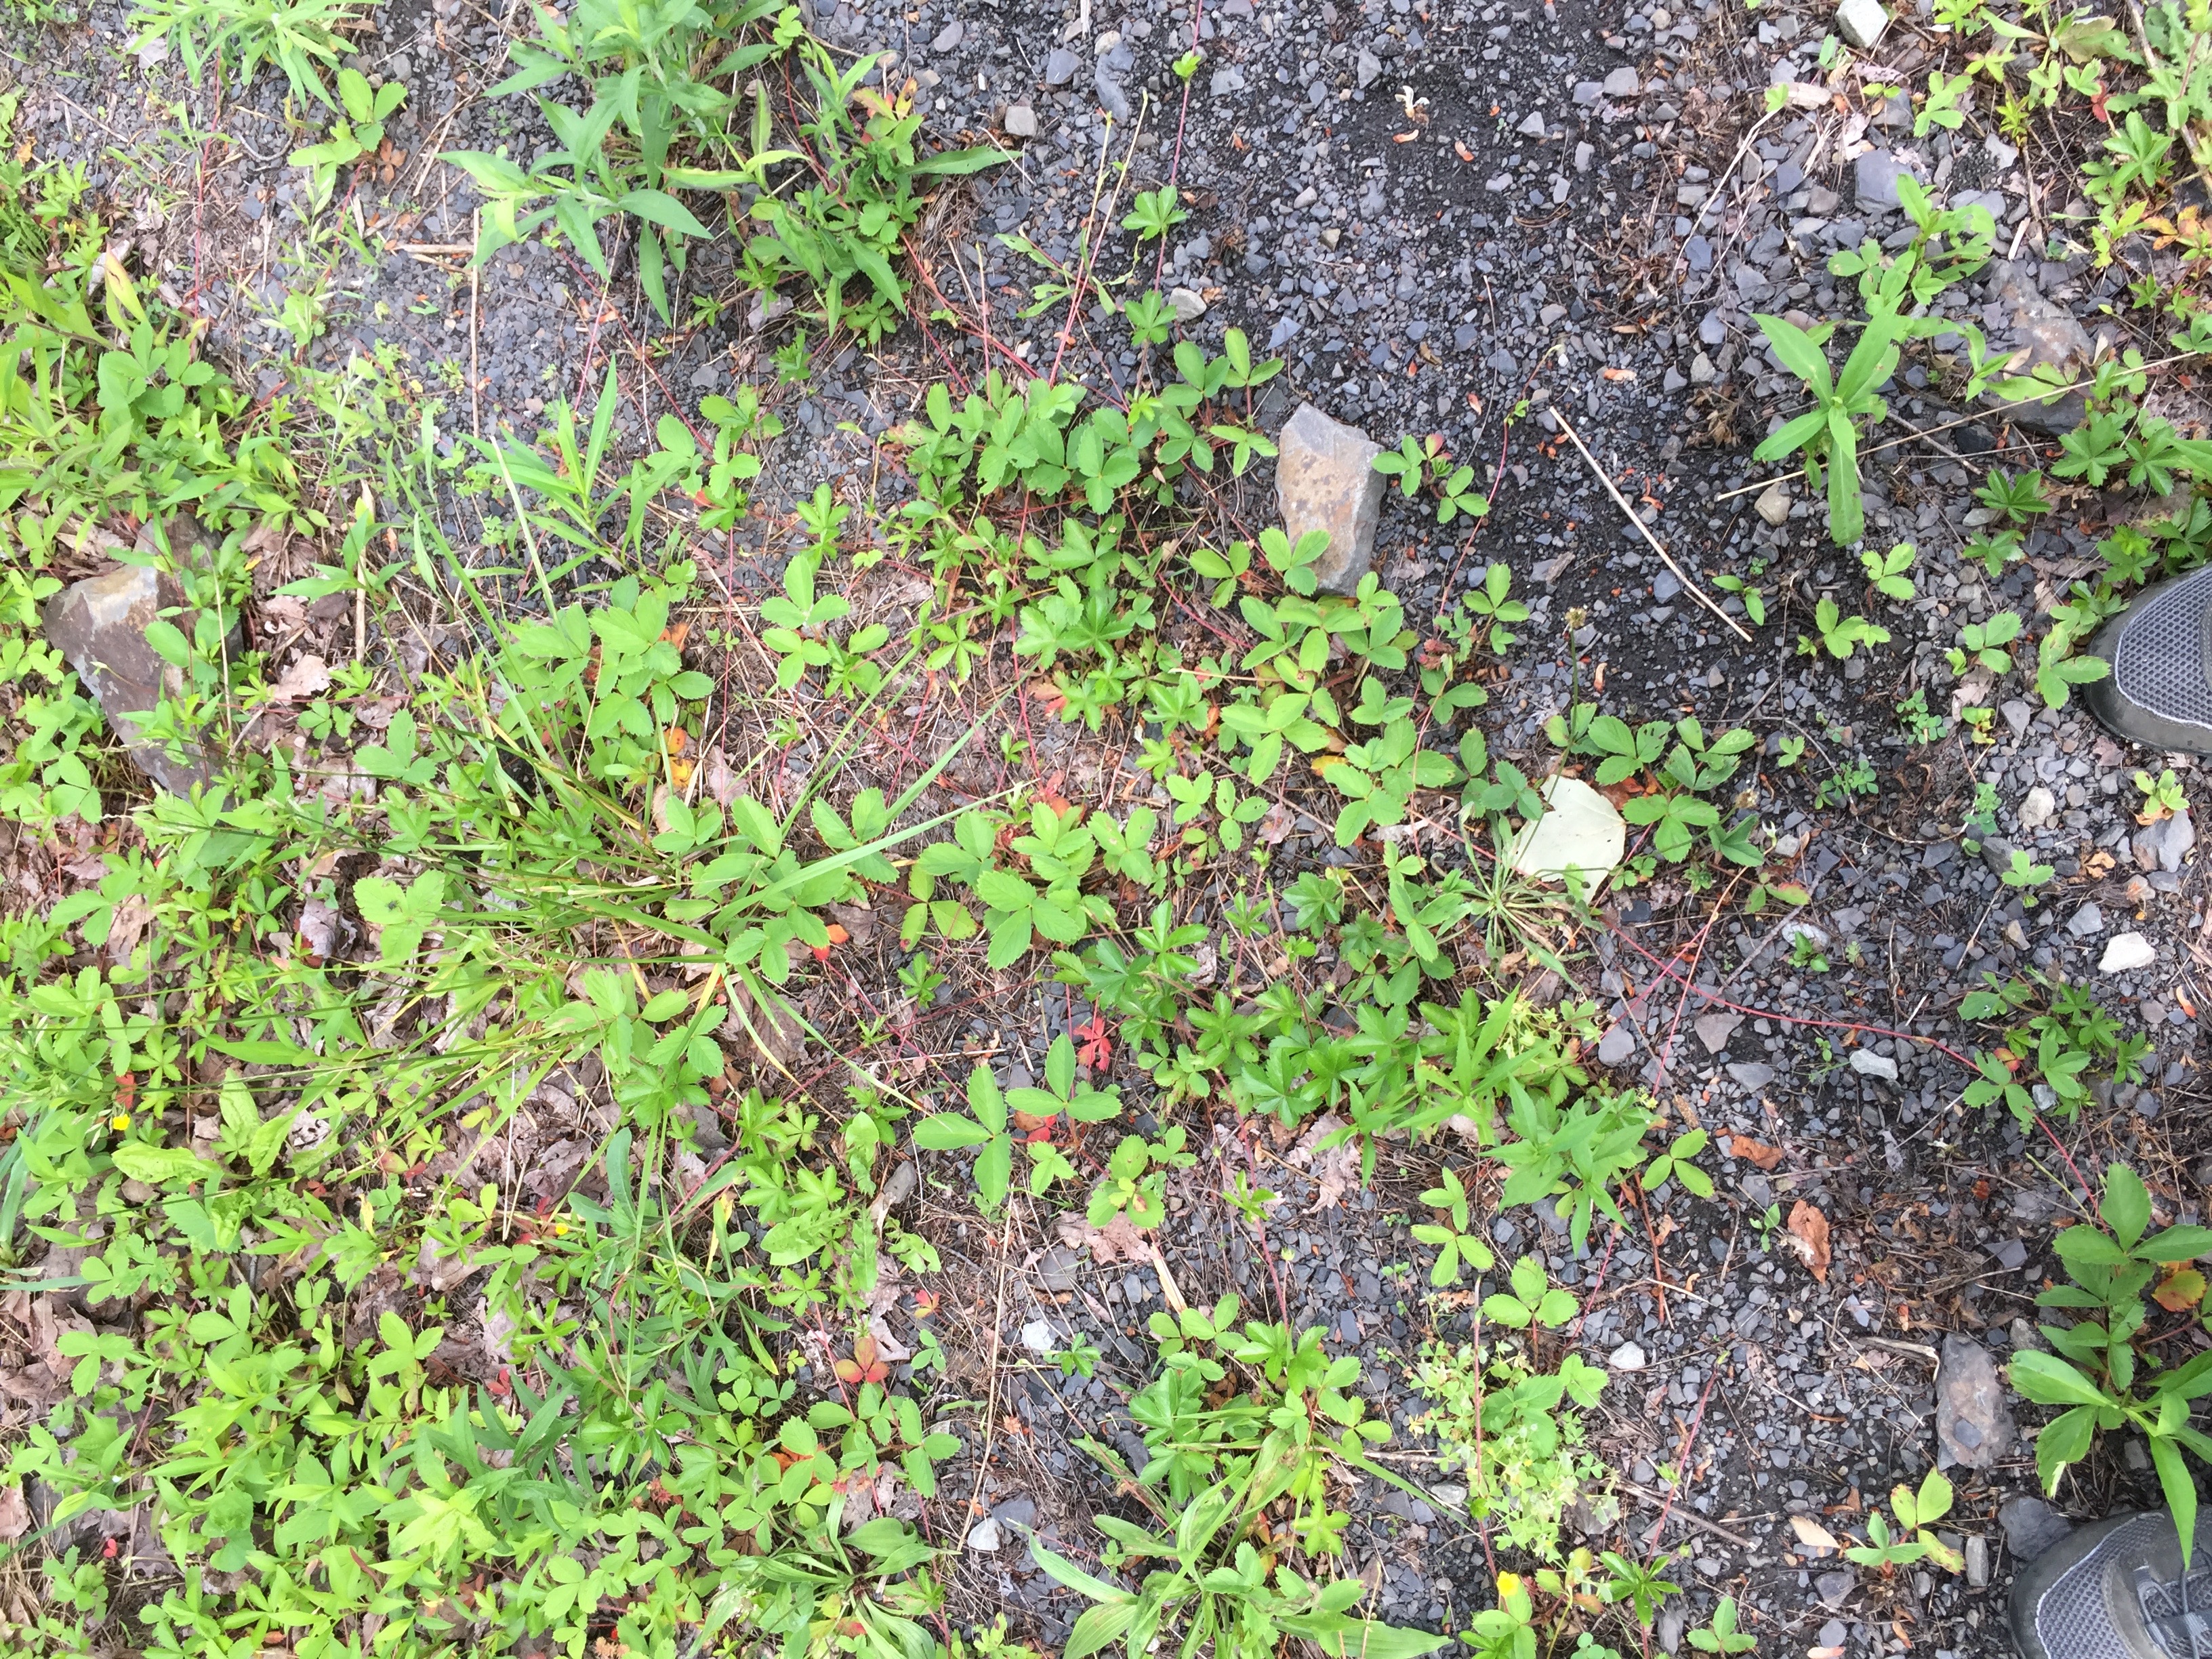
(2125, 952)
(1702, 372)
(2009, 1254)
(1058, 1267)
(1978, 1562)
(1867, 1063)
(1325, 479)
(2039, 807)
(1752, 1074)
(1773, 503)
(984, 1536)
(1616, 1045)
(1059, 68)
(1531, 125)
(1874, 178)
(1860, 21)
(2016, 715)
(1368, 67)
(2030, 1527)
(1714, 1030)
(2048, 337)
(1627, 1358)
(1622, 83)
(2087, 922)
(949, 37)
(1021, 121)
(2163, 846)
(1015, 1512)
(1832, 1587)
(1189, 304)
(100, 626)
(1974, 1424)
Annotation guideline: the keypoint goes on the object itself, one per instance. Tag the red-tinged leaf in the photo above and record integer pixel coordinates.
(1030, 1123)
(1094, 1048)
(1808, 1235)
(821, 952)
(838, 935)
(2183, 1290)
(864, 1349)
(1757, 1152)
(925, 1305)
(848, 1372)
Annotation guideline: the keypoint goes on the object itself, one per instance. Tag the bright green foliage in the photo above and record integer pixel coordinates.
(1135, 1187)
(1153, 214)
(1838, 634)
(2162, 796)
(1890, 572)
(356, 131)
(1917, 1512)
(1455, 1244)
(1528, 1303)
(300, 36)
(2093, 1372)
(1983, 644)
(1721, 1635)
(1516, 1432)
(1272, 1439)
(985, 1125)
(2055, 1048)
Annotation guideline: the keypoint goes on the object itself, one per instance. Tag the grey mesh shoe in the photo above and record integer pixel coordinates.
(2160, 690)
(2116, 1591)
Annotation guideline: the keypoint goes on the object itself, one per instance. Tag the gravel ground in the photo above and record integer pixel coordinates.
(1435, 214)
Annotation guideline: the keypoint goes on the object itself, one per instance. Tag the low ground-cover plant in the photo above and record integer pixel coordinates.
(2100, 1370)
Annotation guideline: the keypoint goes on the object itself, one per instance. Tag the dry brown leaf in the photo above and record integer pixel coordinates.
(307, 676)
(1811, 1534)
(1336, 1169)
(1808, 1235)
(1756, 1152)
(1117, 1240)
(721, 783)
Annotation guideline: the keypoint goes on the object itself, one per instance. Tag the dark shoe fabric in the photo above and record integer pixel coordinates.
(2115, 1591)
(2160, 690)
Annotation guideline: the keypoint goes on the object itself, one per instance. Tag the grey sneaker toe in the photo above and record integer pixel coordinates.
(2115, 1591)
(2160, 690)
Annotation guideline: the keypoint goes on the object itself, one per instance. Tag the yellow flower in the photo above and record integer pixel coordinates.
(120, 1123)
(1508, 1583)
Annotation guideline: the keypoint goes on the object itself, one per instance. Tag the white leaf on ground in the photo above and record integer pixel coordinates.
(1580, 829)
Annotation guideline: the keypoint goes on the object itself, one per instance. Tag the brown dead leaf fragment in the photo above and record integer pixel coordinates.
(1808, 1235)
(1117, 1240)
(1811, 1534)
(14, 1514)
(1756, 1152)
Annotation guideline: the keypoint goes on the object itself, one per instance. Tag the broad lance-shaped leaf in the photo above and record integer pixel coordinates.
(2049, 1381)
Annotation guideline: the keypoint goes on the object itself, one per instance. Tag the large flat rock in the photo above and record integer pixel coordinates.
(1325, 479)
(100, 625)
